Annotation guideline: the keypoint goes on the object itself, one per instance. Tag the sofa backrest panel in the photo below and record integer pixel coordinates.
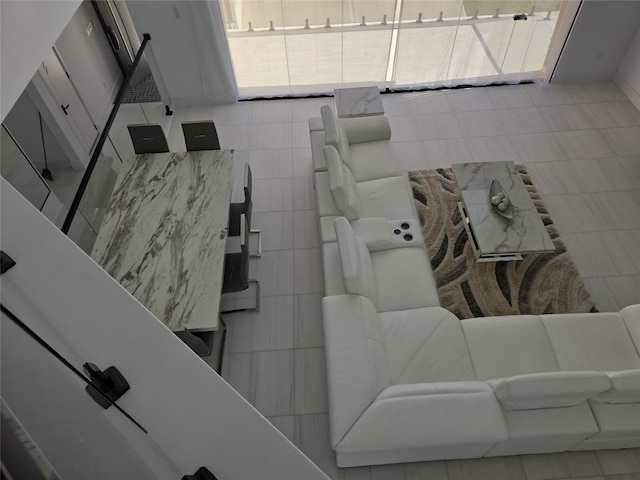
(509, 345)
(342, 184)
(591, 341)
(425, 345)
(356, 262)
(334, 134)
(631, 317)
(625, 388)
(357, 365)
(549, 389)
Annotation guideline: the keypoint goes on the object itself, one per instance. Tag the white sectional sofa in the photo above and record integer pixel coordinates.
(409, 381)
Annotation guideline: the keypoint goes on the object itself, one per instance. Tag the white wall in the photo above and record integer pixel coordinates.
(28, 30)
(598, 41)
(628, 75)
(190, 412)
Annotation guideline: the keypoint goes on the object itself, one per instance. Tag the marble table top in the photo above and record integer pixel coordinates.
(495, 234)
(358, 101)
(163, 236)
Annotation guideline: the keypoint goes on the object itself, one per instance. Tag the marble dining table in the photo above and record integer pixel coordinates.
(164, 233)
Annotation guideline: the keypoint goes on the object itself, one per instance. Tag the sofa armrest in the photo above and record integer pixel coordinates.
(625, 388)
(549, 389)
(435, 388)
(419, 416)
(366, 129)
(374, 232)
(315, 124)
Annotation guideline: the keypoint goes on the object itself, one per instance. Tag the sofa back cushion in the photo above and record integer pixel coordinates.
(357, 267)
(335, 135)
(342, 184)
(549, 390)
(625, 388)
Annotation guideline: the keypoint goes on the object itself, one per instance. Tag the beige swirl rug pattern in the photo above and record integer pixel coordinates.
(540, 283)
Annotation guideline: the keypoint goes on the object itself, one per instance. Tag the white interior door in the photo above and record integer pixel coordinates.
(69, 101)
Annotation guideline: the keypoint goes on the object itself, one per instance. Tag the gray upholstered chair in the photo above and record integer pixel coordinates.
(148, 138)
(200, 135)
(236, 269)
(236, 210)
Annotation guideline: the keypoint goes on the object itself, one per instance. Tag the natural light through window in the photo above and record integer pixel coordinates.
(285, 47)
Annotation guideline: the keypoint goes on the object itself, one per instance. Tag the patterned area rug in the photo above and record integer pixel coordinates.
(540, 283)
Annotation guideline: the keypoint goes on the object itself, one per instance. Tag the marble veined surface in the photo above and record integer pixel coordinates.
(494, 233)
(163, 236)
(358, 101)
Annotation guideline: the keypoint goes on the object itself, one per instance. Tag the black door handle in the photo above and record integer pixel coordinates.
(64, 109)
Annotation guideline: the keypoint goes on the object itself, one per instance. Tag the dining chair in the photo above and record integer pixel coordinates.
(236, 269)
(194, 342)
(200, 135)
(237, 209)
(148, 138)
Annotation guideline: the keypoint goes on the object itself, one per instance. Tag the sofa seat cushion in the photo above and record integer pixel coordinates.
(357, 367)
(616, 421)
(625, 388)
(425, 345)
(508, 345)
(549, 390)
(388, 198)
(373, 160)
(404, 279)
(591, 341)
(394, 279)
(545, 430)
(428, 419)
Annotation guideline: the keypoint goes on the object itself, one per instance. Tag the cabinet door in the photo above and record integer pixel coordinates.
(69, 101)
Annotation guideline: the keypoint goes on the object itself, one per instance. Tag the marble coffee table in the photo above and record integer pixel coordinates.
(358, 101)
(494, 237)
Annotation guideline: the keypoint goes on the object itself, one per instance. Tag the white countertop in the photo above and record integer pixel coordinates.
(358, 101)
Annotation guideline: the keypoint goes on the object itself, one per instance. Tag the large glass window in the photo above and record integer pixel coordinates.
(284, 47)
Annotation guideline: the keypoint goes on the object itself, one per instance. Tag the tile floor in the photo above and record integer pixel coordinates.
(581, 144)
